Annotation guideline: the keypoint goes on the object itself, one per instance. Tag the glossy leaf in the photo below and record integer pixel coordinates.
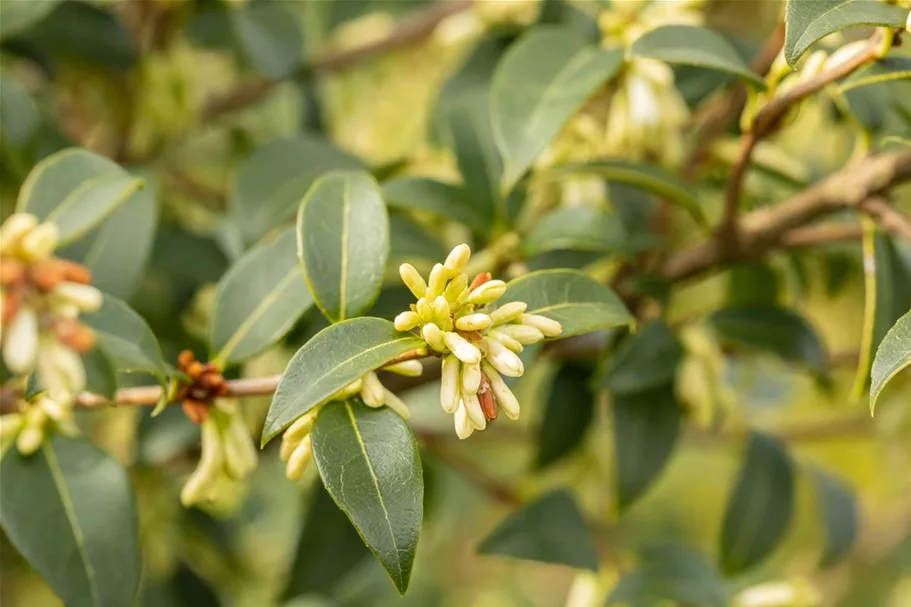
(582, 228)
(273, 180)
(643, 360)
(567, 414)
(258, 299)
(646, 427)
(16, 17)
(409, 239)
(538, 85)
(807, 21)
(68, 510)
(369, 462)
(578, 302)
(476, 151)
(443, 199)
(100, 372)
(76, 189)
(839, 519)
(332, 359)
(760, 508)
(19, 116)
(548, 530)
(893, 355)
(691, 45)
(269, 36)
(343, 243)
(127, 339)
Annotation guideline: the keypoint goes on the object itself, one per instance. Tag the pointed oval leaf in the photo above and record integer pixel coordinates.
(369, 462)
(549, 530)
(100, 372)
(644, 360)
(646, 427)
(69, 511)
(537, 86)
(577, 228)
(77, 190)
(760, 508)
(807, 21)
(839, 515)
(270, 37)
(578, 302)
(893, 355)
(567, 415)
(129, 342)
(19, 117)
(332, 359)
(476, 151)
(343, 243)
(258, 300)
(437, 197)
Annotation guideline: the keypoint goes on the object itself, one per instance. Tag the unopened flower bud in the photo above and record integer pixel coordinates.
(441, 313)
(86, 297)
(348, 391)
(412, 279)
(396, 404)
(408, 368)
(21, 347)
(288, 447)
(473, 322)
(40, 242)
(473, 409)
(449, 384)
(507, 400)
(211, 463)
(406, 321)
(524, 334)
(60, 369)
(471, 378)
(463, 425)
(425, 311)
(434, 337)
(373, 393)
(463, 350)
(478, 280)
(547, 326)
(240, 453)
(508, 312)
(504, 360)
(506, 340)
(10, 425)
(29, 439)
(299, 460)
(456, 288)
(437, 282)
(14, 228)
(457, 259)
(53, 408)
(491, 290)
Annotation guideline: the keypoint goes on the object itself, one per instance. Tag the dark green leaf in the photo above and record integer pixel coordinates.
(760, 508)
(580, 303)
(258, 299)
(753, 284)
(643, 360)
(409, 239)
(19, 118)
(839, 516)
(583, 228)
(646, 426)
(893, 285)
(69, 511)
(549, 530)
(332, 359)
(274, 179)
(537, 86)
(343, 243)
(567, 415)
(476, 152)
(421, 194)
(893, 355)
(691, 45)
(127, 339)
(369, 462)
(100, 373)
(269, 36)
(17, 17)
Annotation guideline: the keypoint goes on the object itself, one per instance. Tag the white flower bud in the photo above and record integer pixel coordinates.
(373, 392)
(86, 297)
(506, 340)
(53, 408)
(30, 439)
(396, 404)
(457, 259)
(504, 360)
(473, 322)
(299, 460)
(463, 426)
(425, 310)
(441, 314)
(491, 290)
(408, 368)
(434, 337)
(456, 288)
(303, 424)
(211, 462)
(41, 241)
(508, 312)
(547, 326)
(463, 350)
(10, 425)
(437, 283)
(21, 345)
(406, 321)
(240, 453)
(412, 279)
(471, 378)
(14, 228)
(506, 399)
(60, 369)
(64, 309)
(347, 392)
(473, 408)
(449, 384)
(288, 447)
(524, 334)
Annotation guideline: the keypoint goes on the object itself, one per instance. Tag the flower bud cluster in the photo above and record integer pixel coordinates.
(30, 426)
(479, 341)
(42, 297)
(228, 455)
(206, 383)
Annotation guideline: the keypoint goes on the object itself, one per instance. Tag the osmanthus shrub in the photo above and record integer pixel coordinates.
(615, 243)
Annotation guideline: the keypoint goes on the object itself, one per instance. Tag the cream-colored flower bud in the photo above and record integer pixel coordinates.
(425, 310)
(40, 242)
(547, 326)
(441, 313)
(463, 425)
(396, 404)
(408, 368)
(373, 393)
(434, 337)
(54, 409)
(30, 439)
(288, 447)
(456, 288)
(449, 384)
(86, 297)
(21, 345)
(348, 391)
(491, 290)
(506, 399)
(412, 279)
(506, 340)
(437, 282)
(14, 229)
(60, 369)
(457, 260)
(240, 453)
(503, 359)
(303, 424)
(463, 350)
(299, 460)
(471, 378)
(508, 312)
(524, 334)
(473, 408)
(406, 321)
(211, 462)
(10, 425)
(473, 322)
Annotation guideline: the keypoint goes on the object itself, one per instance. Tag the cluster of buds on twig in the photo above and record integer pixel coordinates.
(479, 341)
(206, 383)
(28, 427)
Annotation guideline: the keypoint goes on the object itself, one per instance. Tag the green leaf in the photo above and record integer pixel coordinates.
(273, 180)
(408, 239)
(691, 45)
(641, 175)
(754, 283)
(100, 373)
(760, 508)
(567, 414)
(258, 300)
(127, 339)
(548, 530)
(643, 360)
(16, 17)
(807, 21)
(476, 151)
(887, 69)
(68, 510)
(538, 85)
(332, 359)
(646, 427)
(19, 118)
(772, 329)
(893, 355)
(577, 228)
(343, 243)
(443, 199)
(839, 516)
(369, 462)
(269, 36)
(578, 302)
(76, 189)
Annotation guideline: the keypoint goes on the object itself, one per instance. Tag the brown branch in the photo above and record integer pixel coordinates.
(889, 219)
(813, 236)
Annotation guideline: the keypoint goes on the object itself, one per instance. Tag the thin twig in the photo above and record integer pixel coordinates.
(813, 236)
(889, 219)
